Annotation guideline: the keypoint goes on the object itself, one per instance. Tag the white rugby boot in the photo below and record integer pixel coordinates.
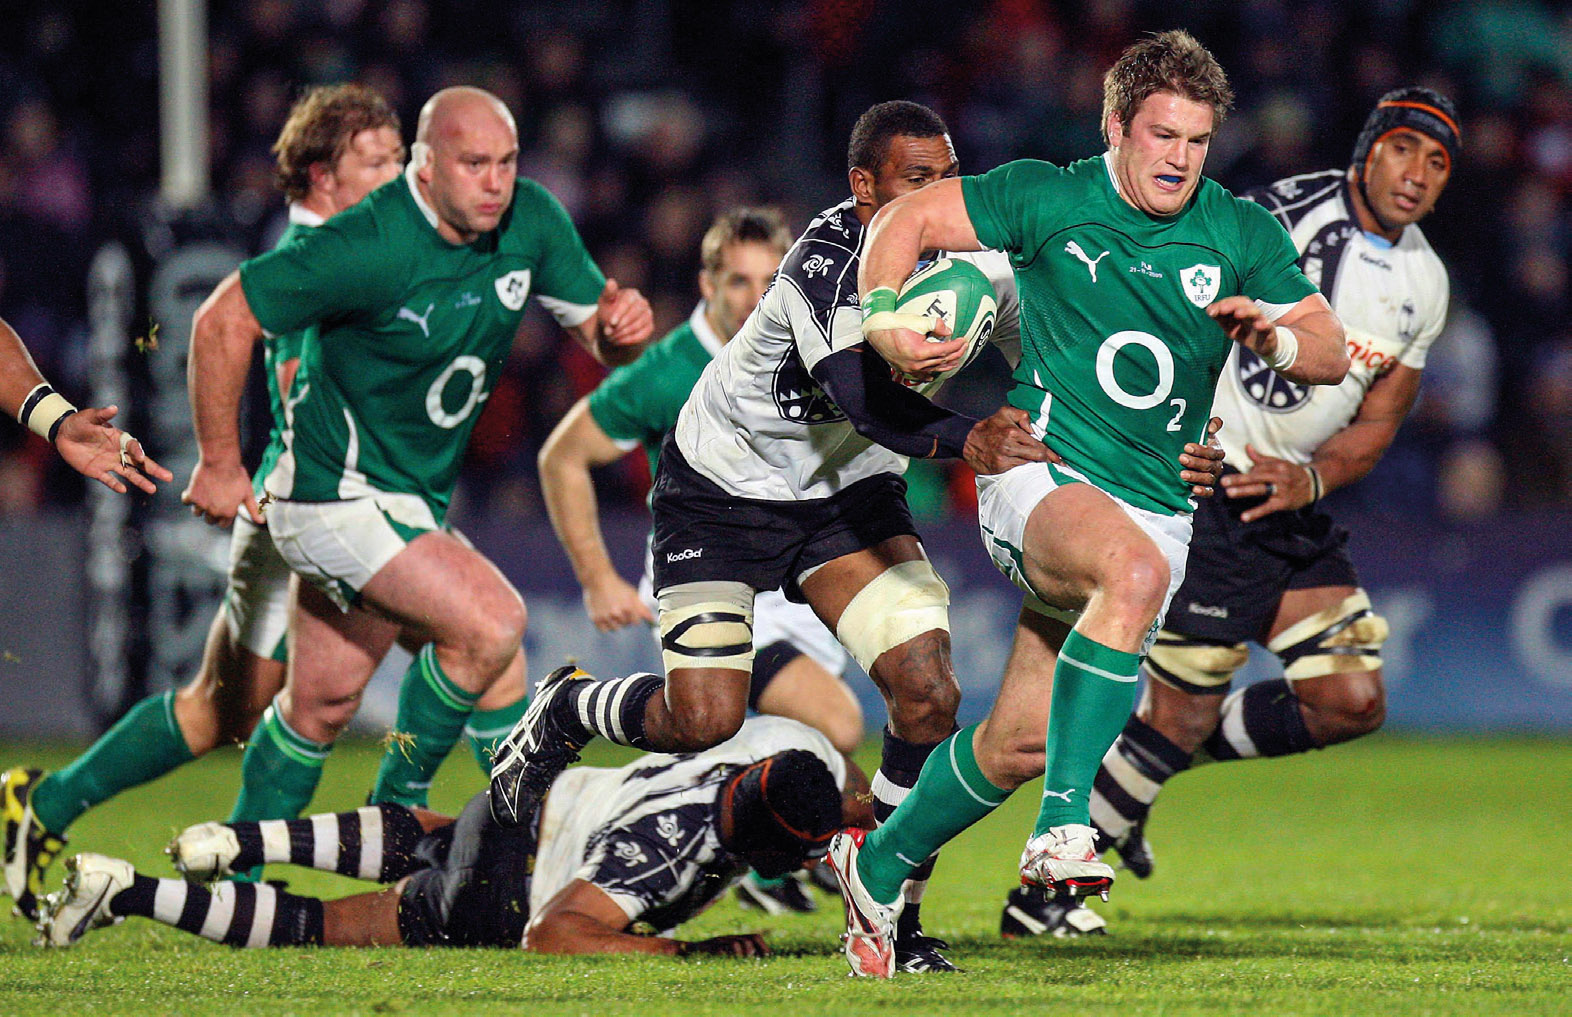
(869, 939)
(1064, 861)
(204, 852)
(82, 904)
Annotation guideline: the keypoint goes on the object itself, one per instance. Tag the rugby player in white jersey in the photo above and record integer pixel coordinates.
(654, 842)
(798, 663)
(784, 472)
(1266, 564)
(338, 143)
(414, 296)
(84, 438)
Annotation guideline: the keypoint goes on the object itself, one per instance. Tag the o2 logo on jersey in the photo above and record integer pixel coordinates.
(513, 289)
(476, 369)
(1268, 389)
(1109, 351)
(798, 398)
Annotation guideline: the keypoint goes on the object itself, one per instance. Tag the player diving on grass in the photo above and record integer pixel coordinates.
(1266, 563)
(784, 472)
(654, 842)
(412, 299)
(797, 663)
(338, 143)
(1137, 276)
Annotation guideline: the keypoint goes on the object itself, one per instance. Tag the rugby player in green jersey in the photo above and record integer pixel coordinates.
(415, 295)
(1136, 275)
(338, 143)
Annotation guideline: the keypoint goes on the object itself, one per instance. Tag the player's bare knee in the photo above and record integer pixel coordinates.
(1138, 581)
(706, 725)
(919, 685)
(1347, 706)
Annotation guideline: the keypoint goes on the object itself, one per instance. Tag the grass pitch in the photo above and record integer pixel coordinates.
(1392, 876)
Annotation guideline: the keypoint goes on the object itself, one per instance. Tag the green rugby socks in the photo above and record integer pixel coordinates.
(1094, 690)
(144, 744)
(951, 794)
(487, 728)
(279, 772)
(432, 712)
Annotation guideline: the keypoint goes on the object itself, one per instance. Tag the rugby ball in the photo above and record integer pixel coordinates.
(961, 294)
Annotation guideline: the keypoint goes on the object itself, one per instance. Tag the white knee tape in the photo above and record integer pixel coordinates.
(903, 601)
(707, 625)
(1342, 639)
(1188, 664)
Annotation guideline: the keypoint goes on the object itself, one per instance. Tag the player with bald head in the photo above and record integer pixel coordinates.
(414, 297)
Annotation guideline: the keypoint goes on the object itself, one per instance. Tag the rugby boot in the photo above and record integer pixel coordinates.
(919, 953)
(29, 848)
(205, 852)
(1026, 913)
(545, 741)
(869, 939)
(1134, 850)
(788, 898)
(1064, 861)
(83, 903)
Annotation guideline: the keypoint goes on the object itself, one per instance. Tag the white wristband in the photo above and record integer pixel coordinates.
(1287, 350)
(43, 410)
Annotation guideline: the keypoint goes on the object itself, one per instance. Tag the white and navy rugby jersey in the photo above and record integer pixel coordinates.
(1391, 298)
(757, 424)
(648, 833)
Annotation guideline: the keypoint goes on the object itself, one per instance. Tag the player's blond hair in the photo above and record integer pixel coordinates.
(1170, 61)
(743, 226)
(319, 129)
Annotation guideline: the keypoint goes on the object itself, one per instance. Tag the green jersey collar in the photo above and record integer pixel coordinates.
(708, 337)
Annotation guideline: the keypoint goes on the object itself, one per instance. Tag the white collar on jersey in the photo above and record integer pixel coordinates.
(300, 215)
(420, 202)
(708, 337)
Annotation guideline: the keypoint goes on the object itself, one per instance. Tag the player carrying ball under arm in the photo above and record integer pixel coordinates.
(417, 293)
(1136, 276)
(784, 472)
(1266, 564)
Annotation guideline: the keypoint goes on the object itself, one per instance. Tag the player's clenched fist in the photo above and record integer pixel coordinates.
(216, 493)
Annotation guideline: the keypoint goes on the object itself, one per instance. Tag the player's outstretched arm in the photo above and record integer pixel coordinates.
(931, 218)
(575, 447)
(1305, 345)
(582, 918)
(85, 438)
(618, 330)
(223, 335)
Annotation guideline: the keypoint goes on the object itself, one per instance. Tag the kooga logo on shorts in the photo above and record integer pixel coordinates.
(692, 552)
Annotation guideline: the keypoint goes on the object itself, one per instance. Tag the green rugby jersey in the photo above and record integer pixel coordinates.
(639, 402)
(413, 332)
(1119, 361)
(281, 349)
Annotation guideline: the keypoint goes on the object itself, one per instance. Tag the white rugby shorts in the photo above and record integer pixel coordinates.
(339, 545)
(256, 604)
(1006, 500)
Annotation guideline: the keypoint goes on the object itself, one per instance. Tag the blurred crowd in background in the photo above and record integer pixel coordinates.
(646, 117)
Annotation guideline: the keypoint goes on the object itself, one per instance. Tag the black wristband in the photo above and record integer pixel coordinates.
(54, 429)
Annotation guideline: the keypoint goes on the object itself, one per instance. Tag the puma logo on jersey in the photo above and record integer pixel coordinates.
(1063, 796)
(1073, 248)
(423, 320)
